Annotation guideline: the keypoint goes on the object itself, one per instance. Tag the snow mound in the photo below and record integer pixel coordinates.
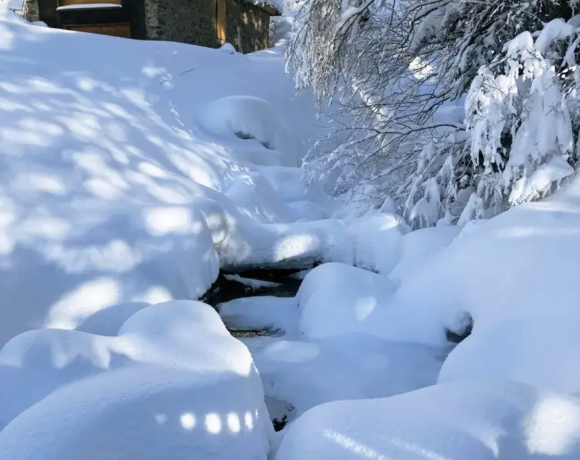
(36, 363)
(188, 335)
(420, 247)
(108, 321)
(463, 421)
(299, 373)
(144, 412)
(261, 314)
(249, 117)
(181, 334)
(112, 193)
(337, 299)
(307, 373)
(540, 351)
(378, 239)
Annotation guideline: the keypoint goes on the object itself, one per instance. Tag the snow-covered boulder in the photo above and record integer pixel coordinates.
(540, 351)
(186, 335)
(261, 313)
(307, 373)
(487, 420)
(420, 247)
(249, 117)
(378, 241)
(146, 413)
(38, 362)
(337, 299)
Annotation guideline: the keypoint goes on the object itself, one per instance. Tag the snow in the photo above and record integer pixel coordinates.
(148, 413)
(307, 373)
(127, 187)
(518, 265)
(249, 117)
(337, 299)
(556, 29)
(169, 360)
(538, 351)
(278, 5)
(253, 284)
(261, 313)
(475, 421)
(322, 348)
(111, 191)
(378, 239)
(421, 246)
(89, 6)
(136, 183)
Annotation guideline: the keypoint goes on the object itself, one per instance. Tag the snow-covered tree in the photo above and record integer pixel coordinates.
(520, 142)
(388, 67)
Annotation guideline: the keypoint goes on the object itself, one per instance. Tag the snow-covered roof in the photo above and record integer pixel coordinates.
(88, 6)
(275, 7)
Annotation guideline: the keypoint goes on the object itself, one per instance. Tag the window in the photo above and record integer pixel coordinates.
(221, 21)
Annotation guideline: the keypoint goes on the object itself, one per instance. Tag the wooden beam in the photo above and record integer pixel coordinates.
(87, 2)
(269, 9)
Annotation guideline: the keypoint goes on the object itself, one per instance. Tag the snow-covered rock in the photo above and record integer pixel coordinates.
(261, 313)
(144, 412)
(461, 421)
(186, 335)
(37, 363)
(378, 241)
(420, 247)
(539, 351)
(249, 117)
(112, 192)
(307, 373)
(337, 299)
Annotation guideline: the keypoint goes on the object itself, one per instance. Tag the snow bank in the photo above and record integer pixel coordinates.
(337, 299)
(36, 363)
(147, 412)
(475, 421)
(420, 247)
(378, 241)
(129, 184)
(539, 351)
(261, 314)
(184, 335)
(299, 372)
(250, 117)
(307, 373)
(111, 191)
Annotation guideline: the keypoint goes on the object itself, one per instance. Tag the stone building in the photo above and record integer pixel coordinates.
(243, 23)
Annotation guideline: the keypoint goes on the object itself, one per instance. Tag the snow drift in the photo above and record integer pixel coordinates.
(476, 421)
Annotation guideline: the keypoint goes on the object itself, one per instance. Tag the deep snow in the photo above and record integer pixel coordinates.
(476, 421)
(126, 185)
(135, 181)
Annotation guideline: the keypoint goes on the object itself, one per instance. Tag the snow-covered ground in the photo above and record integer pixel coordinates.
(131, 172)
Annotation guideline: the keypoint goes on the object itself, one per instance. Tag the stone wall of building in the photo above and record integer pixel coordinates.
(247, 26)
(186, 21)
(30, 10)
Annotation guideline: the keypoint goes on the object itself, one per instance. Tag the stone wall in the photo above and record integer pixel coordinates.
(30, 10)
(247, 26)
(186, 21)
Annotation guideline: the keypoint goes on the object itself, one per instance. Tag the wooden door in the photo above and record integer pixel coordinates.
(221, 21)
(122, 29)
